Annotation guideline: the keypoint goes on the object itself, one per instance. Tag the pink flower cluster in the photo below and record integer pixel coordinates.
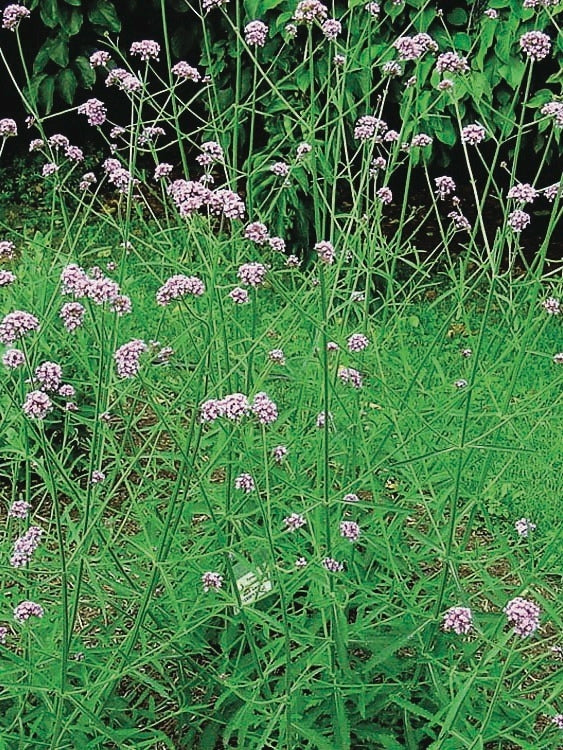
(49, 375)
(8, 127)
(17, 324)
(473, 134)
(458, 619)
(99, 58)
(369, 127)
(179, 286)
(95, 286)
(309, 11)
(414, 47)
(252, 274)
(186, 72)
(127, 358)
(211, 580)
(523, 615)
(12, 15)
(357, 342)
(147, 50)
(236, 406)
(190, 196)
(256, 33)
(19, 509)
(25, 546)
(451, 62)
(37, 405)
(27, 609)
(350, 530)
(325, 252)
(95, 110)
(535, 44)
(445, 186)
(123, 80)
(350, 376)
(294, 521)
(245, 483)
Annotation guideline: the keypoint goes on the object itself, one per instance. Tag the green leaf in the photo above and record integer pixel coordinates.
(85, 72)
(72, 22)
(46, 93)
(462, 41)
(457, 17)
(104, 14)
(76, 3)
(58, 51)
(49, 13)
(66, 84)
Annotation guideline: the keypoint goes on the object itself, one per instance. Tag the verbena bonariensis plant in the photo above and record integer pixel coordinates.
(263, 496)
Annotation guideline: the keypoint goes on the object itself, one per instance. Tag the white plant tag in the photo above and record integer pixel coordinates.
(253, 585)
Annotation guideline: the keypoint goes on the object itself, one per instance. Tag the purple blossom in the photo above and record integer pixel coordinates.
(127, 358)
(211, 580)
(212, 152)
(88, 179)
(458, 619)
(37, 405)
(245, 483)
(25, 546)
(373, 9)
(209, 4)
(13, 358)
(294, 521)
(332, 565)
(19, 509)
(72, 315)
(523, 192)
(99, 58)
(8, 127)
(385, 195)
(350, 530)
(351, 497)
(277, 356)
(408, 48)
(552, 306)
(357, 342)
(95, 110)
(279, 453)
(420, 140)
(211, 410)
(350, 376)
(451, 62)
(124, 80)
(97, 477)
(280, 168)
(12, 15)
(309, 11)
(277, 244)
(49, 375)
(302, 150)
(523, 615)
(518, 220)
(162, 170)
(239, 295)
(27, 609)
(325, 252)
(524, 526)
(257, 232)
(6, 277)
(368, 127)
(186, 72)
(49, 169)
(179, 286)
(7, 250)
(264, 409)
(535, 44)
(66, 390)
(331, 29)
(17, 324)
(236, 406)
(252, 274)
(256, 33)
(473, 134)
(445, 186)
(321, 419)
(147, 49)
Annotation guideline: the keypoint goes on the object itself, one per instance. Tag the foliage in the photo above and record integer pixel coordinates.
(413, 364)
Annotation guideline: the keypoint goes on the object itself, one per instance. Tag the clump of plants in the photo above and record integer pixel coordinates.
(262, 492)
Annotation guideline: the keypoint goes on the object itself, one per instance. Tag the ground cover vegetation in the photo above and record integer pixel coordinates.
(280, 450)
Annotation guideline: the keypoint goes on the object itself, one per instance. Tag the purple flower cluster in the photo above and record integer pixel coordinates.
(357, 342)
(49, 375)
(123, 80)
(279, 453)
(445, 186)
(127, 358)
(186, 72)
(252, 274)
(535, 44)
(25, 546)
(332, 565)
(523, 192)
(451, 62)
(95, 110)
(119, 176)
(99, 58)
(331, 29)
(72, 315)
(458, 619)
(256, 33)
(350, 530)
(37, 405)
(190, 196)
(473, 134)
(524, 526)
(309, 11)
(369, 127)
(294, 521)
(179, 286)
(325, 252)
(211, 580)
(13, 358)
(236, 406)
(12, 15)
(7, 250)
(239, 295)
(518, 220)
(6, 277)
(245, 483)
(350, 376)
(147, 50)
(19, 509)
(523, 615)
(17, 324)
(8, 127)
(27, 609)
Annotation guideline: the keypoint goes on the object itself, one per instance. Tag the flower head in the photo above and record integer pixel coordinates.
(523, 615)
(211, 580)
(8, 127)
(95, 110)
(458, 619)
(535, 44)
(256, 33)
(524, 526)
(12, 15)
(179, 286)
(17, 324)
(27, 609)
(127, 358)
(245, 483)
(146, 50)
(37, 405)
